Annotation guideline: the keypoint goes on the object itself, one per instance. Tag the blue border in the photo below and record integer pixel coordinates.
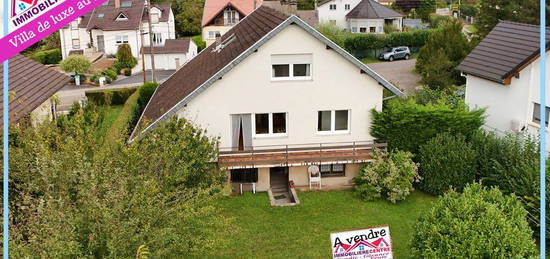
(5, 143)
(542, 131)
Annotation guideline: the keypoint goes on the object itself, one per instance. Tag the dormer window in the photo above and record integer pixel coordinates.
(126, 4)
(121, 17)
(100, 15)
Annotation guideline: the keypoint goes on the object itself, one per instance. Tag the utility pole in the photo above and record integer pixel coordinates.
(142, 54)
(153, 74)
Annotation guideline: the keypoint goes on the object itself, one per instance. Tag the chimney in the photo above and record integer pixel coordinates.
(255, 5)
(218, 40)
(117, 3)
(289, 7)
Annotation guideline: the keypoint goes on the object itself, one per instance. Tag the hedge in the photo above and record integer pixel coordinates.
(362, 45)
(52, 56)
(407, 125)
(110, 97)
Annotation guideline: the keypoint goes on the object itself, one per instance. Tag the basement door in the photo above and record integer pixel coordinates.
(241, 131)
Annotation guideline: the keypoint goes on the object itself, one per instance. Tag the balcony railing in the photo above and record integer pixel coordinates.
(302, 154)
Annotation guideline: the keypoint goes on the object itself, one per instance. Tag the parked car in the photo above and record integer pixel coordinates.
(391, 54)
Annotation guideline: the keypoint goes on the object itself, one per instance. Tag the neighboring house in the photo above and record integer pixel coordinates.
(221, 15)
(117, 22)
(31, 87)
(502, 75)
(365, 16)
(173, 54)
(414, 24)
(276, 106)
(291, 7)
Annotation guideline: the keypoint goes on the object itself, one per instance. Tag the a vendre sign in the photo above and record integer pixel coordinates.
(374, 243)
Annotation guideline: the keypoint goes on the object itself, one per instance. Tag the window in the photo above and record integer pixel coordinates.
(347, 6)
(230, 17)
(332, 170)
(362, 29)
(212, 34)
(291, 67)
(74, 25)
(536, 114)
(333, 121)
(100, 15)
(76, 44)
(270, 124)
(154, 18)
(246, 175)
(121, 17)
(121, 39)
(332, 7)
(372, 29)
(157, 39)
(126, 4)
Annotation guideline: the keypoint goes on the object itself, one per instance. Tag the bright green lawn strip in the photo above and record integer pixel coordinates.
(120, 125)
(111, 114)
(304, 231)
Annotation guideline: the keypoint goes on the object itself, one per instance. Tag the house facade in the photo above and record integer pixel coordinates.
(173, 54)
(117, 22)
(359, 16)
(502, 76)
(280, 107)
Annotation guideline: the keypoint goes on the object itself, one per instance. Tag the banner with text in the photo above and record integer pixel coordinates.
(32, 20)
(373, 243)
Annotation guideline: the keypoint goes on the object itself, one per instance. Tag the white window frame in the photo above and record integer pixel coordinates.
(354, 29)
(333, 130)
(75, 46)
(270, 126)
(74, 25)
(210, 33)
(332, 7)
(121, 39)
(347, 6)
(291, 76)
(157, 39)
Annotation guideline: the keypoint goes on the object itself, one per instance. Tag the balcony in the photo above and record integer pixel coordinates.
(296, 155)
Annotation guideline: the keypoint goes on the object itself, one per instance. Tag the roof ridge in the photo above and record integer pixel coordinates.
(521, 24)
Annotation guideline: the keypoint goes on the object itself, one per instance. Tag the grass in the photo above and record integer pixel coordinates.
(369, 60)
(111, 114)
(263, 231)
(120, 124)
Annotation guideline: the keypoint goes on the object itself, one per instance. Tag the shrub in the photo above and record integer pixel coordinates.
(389, 28)
(334, 33)
(427, 7)
(75, 64)
(201, 44)
(110, 74)
(127, 72)
(446, 161)
(479, 223)
(110, 97)
(362, 45)
(407, 125)
(427, 96)
(437, 21)
(52, 56)
(124, 56)
(391, 177)
(145, 93)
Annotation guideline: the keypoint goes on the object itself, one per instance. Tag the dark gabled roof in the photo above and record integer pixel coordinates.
(212, 63)
(170, 46)
(135, 14)
(370, 9)
(30, 85)
(503, 52)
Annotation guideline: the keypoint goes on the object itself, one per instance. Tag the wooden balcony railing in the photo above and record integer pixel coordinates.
(303, 154)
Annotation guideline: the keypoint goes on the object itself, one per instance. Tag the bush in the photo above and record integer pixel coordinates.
(110, 74)
(362, 45)
(52, 56)
(427, 7)
(75, 64)
(425, 96)
(480, 223)
(407, 125)
(145, 93)
(334, 33)
(110, 97)
(446, 161)
(201, 44)
(391, 177)
(437, 21)
(127, 72)
(390, 28)
(124, 56)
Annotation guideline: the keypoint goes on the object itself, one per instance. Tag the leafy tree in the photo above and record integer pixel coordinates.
(75, 64)
(437, 60)
(334, 33)
(306, 4)
(391, 176)
(124, 56)
(188, 15)
(491, 11)
(479, 223)
(446, 161)
(74, 198)
(427, 7)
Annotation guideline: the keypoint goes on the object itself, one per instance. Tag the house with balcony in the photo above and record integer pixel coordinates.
(502, 75)
(115, 22)
(282, 98)
(359, 16)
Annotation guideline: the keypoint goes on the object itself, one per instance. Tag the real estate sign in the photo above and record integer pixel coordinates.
(374, 243)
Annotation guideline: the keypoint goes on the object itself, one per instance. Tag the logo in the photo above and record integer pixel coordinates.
(20, 6)
(362, 243)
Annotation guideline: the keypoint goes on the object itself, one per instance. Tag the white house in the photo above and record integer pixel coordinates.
(359, 16)
(281, 97)
(502, 75)
(117, 22)
(172, 55)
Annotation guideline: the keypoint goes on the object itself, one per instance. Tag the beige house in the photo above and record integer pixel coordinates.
(281, 98)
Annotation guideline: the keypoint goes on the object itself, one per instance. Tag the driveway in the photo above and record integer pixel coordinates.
(400, 73)
(137, 79)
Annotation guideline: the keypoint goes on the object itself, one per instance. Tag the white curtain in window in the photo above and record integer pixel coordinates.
(244, 121)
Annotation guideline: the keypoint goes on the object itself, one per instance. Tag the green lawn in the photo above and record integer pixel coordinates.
(304, 231)
(111, 115)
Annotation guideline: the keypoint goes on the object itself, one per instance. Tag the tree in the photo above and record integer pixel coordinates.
(75, 64)
(491, 11)
(188, 17)
(444, 50)
(427, 7)
(479, 223)
(124, 56)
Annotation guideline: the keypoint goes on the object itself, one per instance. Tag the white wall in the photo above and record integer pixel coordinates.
(166, 61)
(338, 15)
(337, 84)
(506, 103)
(377, 23)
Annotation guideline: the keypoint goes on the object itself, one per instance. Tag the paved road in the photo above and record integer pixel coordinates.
(400, 73)
(162, 75)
